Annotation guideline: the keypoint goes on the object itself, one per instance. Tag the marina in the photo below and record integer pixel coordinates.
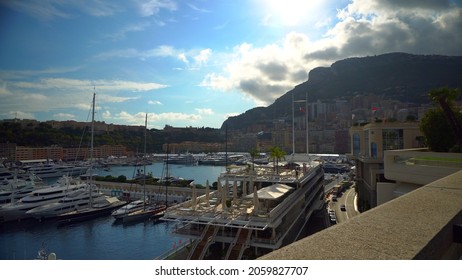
(102, 238)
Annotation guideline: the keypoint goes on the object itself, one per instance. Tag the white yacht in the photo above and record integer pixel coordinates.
(14, 189)
(129, 208)
(74, 200)
(56, 170)
(17, 210)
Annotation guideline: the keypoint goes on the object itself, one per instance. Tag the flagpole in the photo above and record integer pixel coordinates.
(307, 119)
(293, 125)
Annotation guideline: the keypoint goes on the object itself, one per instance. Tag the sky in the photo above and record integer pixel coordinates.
(194, 62)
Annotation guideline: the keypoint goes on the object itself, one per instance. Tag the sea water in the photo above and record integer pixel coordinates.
(101, 238)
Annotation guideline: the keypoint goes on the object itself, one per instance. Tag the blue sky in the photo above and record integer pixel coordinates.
(194, 62)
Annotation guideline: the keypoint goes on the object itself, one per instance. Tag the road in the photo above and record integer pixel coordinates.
(347, 199)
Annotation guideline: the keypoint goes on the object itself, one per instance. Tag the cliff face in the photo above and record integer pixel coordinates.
(399, 76)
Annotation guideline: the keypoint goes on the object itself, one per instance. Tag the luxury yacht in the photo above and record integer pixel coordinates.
(17, 210)
(56, 170)
(127, 209)
(74, 200)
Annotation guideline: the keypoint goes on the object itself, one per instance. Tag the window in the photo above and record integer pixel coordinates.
(392, 139)
(366, 141)
(356, 144)
(374, 150)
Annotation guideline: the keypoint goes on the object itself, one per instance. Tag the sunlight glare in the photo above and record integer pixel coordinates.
(291, 12)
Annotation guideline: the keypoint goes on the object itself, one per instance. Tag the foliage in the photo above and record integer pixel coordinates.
(276, 154)
(438, 133)
(442, 126)
(42, 134)
(253, 154)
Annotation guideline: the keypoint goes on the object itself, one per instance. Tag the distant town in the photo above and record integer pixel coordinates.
(328, 125)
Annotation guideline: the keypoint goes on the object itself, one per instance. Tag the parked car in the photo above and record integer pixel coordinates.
(333, 220)
(342, 207)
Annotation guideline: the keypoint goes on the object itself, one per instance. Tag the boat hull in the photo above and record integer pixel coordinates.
(87, 214)
(141, 215)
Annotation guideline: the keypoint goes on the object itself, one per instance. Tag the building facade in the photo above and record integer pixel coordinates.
(368, 144)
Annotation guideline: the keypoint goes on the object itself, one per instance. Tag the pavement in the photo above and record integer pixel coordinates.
(347, 198)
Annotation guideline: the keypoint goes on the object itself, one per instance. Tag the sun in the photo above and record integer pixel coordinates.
(290, 12)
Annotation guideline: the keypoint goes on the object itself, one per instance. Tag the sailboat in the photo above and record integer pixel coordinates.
(148, 210)
(101, 206)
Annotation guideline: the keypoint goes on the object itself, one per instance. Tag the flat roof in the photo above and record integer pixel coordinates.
(272, 192)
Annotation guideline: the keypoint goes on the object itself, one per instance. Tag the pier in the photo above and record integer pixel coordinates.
(154, 192)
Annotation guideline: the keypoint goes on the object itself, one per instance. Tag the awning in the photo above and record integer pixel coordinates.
(272, 192)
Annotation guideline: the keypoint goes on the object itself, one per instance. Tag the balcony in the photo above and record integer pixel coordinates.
(420, 166)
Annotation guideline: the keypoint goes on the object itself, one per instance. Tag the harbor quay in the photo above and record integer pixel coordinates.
(132, 191)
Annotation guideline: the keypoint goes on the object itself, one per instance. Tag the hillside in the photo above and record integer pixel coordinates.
(398, 76)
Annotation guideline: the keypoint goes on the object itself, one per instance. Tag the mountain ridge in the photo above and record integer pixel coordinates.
(400, 76)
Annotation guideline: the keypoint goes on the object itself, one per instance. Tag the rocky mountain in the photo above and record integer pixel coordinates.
(397, 76)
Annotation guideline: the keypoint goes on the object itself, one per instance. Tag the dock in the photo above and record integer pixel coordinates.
(154, 192)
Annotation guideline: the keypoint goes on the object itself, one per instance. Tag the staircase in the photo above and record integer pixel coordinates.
(236, 249)
(198, 251)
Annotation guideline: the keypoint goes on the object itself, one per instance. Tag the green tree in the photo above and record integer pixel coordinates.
(445, 97)
(253, 154)
(438, 134)
(441, 125)
(276, 154)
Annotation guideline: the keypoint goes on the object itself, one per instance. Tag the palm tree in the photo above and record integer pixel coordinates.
(276, 154)
(445, 97)
(253, 154)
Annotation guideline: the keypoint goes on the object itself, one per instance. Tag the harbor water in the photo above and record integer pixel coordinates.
(101, 238)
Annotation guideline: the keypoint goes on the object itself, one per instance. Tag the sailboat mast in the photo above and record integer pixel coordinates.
(144, 162)
(91, 144)
(166, 180)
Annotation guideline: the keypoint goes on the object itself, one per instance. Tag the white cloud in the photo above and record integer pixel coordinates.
(204, 111)
(122, 33)
(51, 9)
(4, 90)
(138, 118)
(86, 85)
(154, 102)
(64, 116)
(107, 115)
(364, 27)
(232, 114)
(18, 115)
(199, 56)
(265, 73)
(153, 7)
(203, 56)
